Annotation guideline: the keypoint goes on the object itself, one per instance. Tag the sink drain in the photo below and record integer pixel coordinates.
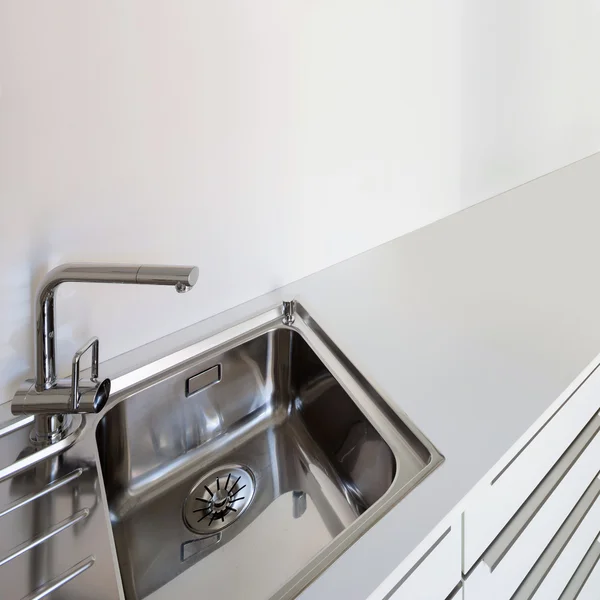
(218, 499)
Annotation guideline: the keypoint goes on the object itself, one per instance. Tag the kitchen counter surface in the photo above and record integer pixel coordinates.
(473, 326)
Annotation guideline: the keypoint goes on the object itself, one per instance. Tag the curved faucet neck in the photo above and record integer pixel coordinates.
(45, 340)
(182, 278)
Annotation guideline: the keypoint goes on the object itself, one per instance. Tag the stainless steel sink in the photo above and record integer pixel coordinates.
(249, 466)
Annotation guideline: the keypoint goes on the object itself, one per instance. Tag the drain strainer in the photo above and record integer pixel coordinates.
(218, 499)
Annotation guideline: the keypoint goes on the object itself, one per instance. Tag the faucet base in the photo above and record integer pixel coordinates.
(48, 429)
(55, 417)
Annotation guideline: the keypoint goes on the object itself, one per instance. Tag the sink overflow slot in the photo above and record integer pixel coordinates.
(201, 381)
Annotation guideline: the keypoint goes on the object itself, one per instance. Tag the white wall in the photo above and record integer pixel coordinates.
(530, 90)
(262, 140)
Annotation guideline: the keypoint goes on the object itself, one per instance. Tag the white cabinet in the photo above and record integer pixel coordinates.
(547, 548)
(574, 564)
(490, 509)
(516, 569)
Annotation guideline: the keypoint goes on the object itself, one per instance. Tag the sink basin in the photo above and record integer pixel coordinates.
(246, 468)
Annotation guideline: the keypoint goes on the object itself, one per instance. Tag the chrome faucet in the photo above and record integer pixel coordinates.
(53, 400)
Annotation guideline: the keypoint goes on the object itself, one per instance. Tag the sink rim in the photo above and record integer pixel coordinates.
(390, 421)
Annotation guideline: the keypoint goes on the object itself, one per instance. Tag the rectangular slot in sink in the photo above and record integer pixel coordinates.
(201, 381)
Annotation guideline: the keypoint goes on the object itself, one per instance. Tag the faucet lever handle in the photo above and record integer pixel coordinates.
(94, 344)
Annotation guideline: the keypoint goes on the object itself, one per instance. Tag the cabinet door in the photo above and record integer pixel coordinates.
(490, 508)
(514, 567)
(575, 562)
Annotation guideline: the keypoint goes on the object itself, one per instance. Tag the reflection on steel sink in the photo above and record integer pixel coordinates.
(246, 469)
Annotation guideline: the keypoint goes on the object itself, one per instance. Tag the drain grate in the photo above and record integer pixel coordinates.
(218, 499)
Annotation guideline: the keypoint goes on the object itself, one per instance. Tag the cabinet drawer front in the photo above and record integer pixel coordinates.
(590, 589)
(436, 576)
(489, 509)
(569, 571)
(517, 573)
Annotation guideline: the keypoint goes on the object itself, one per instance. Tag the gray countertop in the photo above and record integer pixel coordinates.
(473, 325)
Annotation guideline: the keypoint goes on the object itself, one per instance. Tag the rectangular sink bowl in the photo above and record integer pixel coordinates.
(244, 465)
